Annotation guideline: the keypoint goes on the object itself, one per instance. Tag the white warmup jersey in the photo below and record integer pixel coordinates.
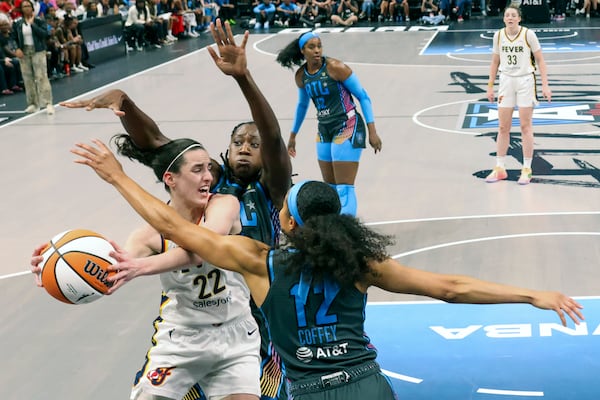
(200, 295)
(516, 55)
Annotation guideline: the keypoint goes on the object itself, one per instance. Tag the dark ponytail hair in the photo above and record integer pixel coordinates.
(291, 54)
(168, 155)
(330, 244)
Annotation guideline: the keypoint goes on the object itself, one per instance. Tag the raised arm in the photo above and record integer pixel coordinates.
(394, 277)
(143, 130)
(276, 164)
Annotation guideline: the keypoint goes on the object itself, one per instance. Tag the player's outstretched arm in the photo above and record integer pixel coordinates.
(394, 277)
(276, 164)
(143, 130)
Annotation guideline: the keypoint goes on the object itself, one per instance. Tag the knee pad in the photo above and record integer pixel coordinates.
(347, 199)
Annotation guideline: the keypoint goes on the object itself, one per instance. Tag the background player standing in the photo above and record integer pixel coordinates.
(341, 137)
(516, 52)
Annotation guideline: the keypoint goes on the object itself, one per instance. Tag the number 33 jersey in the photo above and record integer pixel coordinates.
(516, 54)
(200, 295)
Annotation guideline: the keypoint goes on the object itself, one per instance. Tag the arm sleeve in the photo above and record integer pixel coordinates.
(353, 85)
(301, 109)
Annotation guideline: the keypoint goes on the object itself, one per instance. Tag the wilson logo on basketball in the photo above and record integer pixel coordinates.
(94, 270)
(157, 377)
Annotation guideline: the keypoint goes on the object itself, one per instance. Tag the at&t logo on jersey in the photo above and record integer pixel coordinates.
(306, 355)
(158, 376)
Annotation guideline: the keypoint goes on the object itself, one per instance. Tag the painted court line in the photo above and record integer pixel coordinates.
(510, 392)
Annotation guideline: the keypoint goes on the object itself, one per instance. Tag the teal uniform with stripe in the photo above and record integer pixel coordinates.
(318, 328)
(336, 110)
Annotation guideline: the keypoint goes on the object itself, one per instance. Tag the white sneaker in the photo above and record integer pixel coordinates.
(266, 25)
(171, 38)
(83, 67)
(75, 68)
(31, 109)
(50, 109)
(128, 48)
(193, 34)
(257, 25)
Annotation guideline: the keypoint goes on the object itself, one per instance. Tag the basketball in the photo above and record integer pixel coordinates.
(75, 266)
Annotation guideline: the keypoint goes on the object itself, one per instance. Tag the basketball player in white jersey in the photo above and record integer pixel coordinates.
(516, 52)
(205, 332)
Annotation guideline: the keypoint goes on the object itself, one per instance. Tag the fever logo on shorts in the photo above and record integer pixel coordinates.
(157, 377)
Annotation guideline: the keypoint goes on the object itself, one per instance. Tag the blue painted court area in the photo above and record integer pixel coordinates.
(480, 42)
(434, 350)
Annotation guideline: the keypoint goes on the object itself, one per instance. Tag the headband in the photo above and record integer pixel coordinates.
(181, 153)
(306, 37)
(292, 202)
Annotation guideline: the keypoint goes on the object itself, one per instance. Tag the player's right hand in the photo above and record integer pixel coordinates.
(36, 259)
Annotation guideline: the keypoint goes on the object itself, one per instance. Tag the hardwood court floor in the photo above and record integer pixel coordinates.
(425, 187)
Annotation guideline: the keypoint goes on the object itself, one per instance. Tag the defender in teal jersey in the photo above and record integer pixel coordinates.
(341, 137)
(256, 169)
(314, 294)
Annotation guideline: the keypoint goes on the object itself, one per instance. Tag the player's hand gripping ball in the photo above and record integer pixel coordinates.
(75, 266)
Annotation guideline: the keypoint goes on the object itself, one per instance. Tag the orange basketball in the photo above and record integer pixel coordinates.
(75, 266)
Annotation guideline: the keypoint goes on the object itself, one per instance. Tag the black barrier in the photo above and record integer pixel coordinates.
(103, 37)
(535, 11)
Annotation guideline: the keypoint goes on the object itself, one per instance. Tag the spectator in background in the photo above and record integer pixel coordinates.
(107, 7)
(44, 6)
(139, 27)
(463, 9)
(6, 7)
(211, 11)
(385, 13)
(590, 7)
(430, 13)
(55, 69)
(8, 54)
(29, 34)
(309, 15)
(345, 13)
(81, 9)
(264, 13)
(288, 13)
(404, 6)
(71, 41)
(227, 11)
(161, 25)
(189, 20)
(325, 8)
(367, 10)
(164, 10)
(8, 74)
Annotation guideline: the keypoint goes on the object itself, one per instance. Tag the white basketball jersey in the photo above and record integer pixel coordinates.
(516, 55)
(200, 295)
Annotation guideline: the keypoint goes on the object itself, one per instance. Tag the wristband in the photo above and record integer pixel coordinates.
(490, 84)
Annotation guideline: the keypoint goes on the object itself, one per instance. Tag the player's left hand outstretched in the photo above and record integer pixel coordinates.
(231, 58)
(126, 268)
(112, 99)
(100, 159)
